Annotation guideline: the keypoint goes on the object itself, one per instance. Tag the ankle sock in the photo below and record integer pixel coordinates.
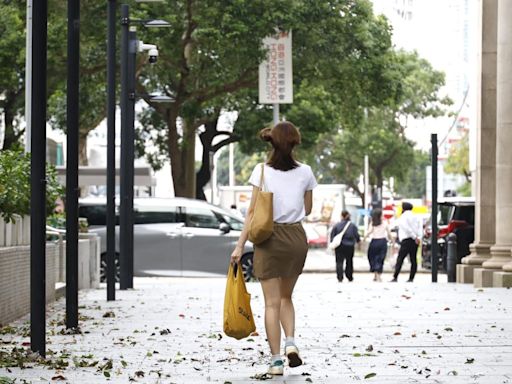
(276, 358)
(289, 341)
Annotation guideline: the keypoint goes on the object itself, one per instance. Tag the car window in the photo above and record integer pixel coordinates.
(465, 213)
(444, 214)
(95, 214)
(148, 215)
(233, 222)
(201, 218)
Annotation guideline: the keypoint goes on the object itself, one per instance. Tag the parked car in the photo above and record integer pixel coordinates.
(174, 237)
(456, 215)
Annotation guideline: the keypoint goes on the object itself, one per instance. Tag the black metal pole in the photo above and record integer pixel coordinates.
(130, 156)
(72, 190)
(124, 212)
(38, 180)
(433, 245)
(111, 151)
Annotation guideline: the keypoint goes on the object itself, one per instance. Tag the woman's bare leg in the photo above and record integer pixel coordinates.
(287, 314)
(272, 295)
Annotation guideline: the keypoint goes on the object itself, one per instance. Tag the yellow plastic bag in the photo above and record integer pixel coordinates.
(238, 318)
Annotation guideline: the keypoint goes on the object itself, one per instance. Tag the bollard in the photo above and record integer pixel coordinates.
(451, 257)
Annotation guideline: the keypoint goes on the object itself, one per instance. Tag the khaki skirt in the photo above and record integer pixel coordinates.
(283, 254)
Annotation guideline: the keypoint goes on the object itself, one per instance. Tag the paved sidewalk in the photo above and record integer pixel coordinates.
(169, 330)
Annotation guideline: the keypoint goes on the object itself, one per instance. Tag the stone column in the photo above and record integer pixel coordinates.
(501, 251)
(486, 148)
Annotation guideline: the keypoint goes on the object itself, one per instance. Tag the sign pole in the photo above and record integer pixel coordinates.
(276, 113)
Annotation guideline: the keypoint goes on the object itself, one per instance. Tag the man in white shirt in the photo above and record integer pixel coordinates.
(409, 234)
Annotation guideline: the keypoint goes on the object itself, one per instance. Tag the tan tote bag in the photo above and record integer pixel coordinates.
(262, 221)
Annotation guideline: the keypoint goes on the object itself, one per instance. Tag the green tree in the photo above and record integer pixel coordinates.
(209, 63)
(458, 159)
(380, 134)
(458, 164)
(92, 98)
(415, 184)
(12, 69)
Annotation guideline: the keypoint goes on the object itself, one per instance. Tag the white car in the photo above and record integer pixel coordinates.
(174, 237)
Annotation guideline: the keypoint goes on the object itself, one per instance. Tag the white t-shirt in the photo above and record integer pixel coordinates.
(288, 188)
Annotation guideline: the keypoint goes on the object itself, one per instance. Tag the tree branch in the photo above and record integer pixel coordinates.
(246, 80)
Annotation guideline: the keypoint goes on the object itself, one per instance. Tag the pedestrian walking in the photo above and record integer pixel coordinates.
(409, 235)
(279, 260)
(345, 251)
(379, 234)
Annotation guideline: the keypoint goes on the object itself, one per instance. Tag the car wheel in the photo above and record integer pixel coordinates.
(103, 268)
(247, 267)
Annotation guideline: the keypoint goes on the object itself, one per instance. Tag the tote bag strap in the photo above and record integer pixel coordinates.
(262, 184)
(344, 230)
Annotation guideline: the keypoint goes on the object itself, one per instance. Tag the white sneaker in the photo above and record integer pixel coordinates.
(292, 354)
(276, 368)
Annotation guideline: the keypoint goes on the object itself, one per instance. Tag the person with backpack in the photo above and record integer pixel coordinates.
(345, 251)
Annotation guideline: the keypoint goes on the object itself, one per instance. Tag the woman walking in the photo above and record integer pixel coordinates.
(379, 234)
(279, 260)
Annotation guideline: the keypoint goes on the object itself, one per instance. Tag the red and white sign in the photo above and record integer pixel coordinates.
(275, 73)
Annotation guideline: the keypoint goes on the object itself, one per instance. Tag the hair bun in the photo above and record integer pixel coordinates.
(265, 134)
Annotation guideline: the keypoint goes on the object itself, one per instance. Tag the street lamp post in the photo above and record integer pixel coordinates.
(72, 189)
(126, 198)
(111, 151)
(129, 47)
(37, 180)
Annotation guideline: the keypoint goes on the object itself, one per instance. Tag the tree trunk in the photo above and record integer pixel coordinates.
(182, 158)
(380, 183)
(82, 151)
(203, 176)
(10, 136)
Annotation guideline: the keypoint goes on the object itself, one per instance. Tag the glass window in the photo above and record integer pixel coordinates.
(147, 215)
(200, 218)
(95, 214)
(233, 222)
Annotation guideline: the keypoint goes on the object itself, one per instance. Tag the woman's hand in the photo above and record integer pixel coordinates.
(236, 255)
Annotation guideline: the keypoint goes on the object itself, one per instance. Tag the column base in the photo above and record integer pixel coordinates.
(507, 267)
(483, 277)
(502, 279)
(500, 255)
(480, 252)
(465, 273)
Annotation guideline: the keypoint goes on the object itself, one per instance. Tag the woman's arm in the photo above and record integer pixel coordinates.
(388, 231)
(308, 202)
(237, 253)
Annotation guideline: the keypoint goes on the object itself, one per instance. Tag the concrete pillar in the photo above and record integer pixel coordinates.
(501, 251)
(485, 180)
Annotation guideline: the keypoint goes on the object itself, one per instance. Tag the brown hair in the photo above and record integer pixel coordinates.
(284, 136)
(345, 214)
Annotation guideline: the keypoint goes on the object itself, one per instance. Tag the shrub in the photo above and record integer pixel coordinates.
(15, 185)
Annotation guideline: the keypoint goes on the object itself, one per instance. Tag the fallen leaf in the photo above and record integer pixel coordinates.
(58, 377)
(370, 375)
(469, 361)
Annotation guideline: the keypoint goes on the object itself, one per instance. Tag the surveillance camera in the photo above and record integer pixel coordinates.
(153, 55)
